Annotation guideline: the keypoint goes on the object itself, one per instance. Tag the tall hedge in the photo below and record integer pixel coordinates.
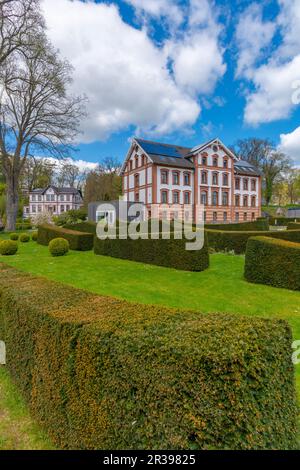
(101, 373)
(260, 224)
(283, 221)
(293, 226)
(77, 240)
(273, 262)
(86, 227)
(169, 253)
(221, 240)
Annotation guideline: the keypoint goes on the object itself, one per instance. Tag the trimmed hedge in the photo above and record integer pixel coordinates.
(86, 227)
(169, 253)
(273, 262)
(34, 236)
(221, 240)
(24, 238)
(14, 236)
(77, 240)
(293, 226)
(58, 247)
(8, 247)
(259, 224)
(102, 373)
(282, 221)
(23, 226)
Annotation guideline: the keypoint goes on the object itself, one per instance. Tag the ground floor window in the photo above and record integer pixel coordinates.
(245, 215)
(237, 216)
(215, 216)
(253, 216)
(225, 216)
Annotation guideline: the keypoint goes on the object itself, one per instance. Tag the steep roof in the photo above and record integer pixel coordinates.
(241, 167)
(63, 190)
(166, 154)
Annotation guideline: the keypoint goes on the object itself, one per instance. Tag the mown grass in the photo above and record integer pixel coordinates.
(221, 288)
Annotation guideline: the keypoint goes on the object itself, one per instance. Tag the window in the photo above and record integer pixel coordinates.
(48, 198)
(215, 198)
(225, 179)
(215, 148)
(52, 197)
(164, 177)
(175, 197)
(215, 179)
(33, 197)
(215, 216)
(237, 200)
(204, 177)
(253, 201)
(225, 216)
(245, 184)
(136, 160)
(237, 216)
(204, 198)
(237, 183)
(143, 160)
(225, 163)
(130, 165)
(39, 198)
(68, 197)
(68, 208)
(62, 197)
(62, 208)
(175, 177)
(186, 197)
(39, 208)
(215, 161)
(186, 178)
(34, 208)
(253, 216)
(253, 185)
(136, 180)
(204, 161)
(54, 209)
(245, 201)
(225, 199)
(136, 196)
(245, 216)
(164, 197)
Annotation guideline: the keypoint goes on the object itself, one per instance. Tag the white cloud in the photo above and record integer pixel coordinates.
(253, 35)
(290, 144)
(159, 9)
(273, 81)
(197, 57)
(124, 75)
(81, 164)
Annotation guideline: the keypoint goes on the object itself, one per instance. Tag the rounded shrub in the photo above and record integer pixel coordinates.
(34, 236)
(14, 236)
(8, 247)
(24, 238)
(58, 247)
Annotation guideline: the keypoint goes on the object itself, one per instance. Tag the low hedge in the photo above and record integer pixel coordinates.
(259, 224)
(169, 253)
(77, 240)
(221, 240)
(282, 221)
(293, 226)
(102, 373)
(273, 262)
(23, 226)
(86, 227)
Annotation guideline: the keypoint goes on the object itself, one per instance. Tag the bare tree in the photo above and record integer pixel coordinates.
(36, 114)
(19, 22)
(37, 172)
(67, 174)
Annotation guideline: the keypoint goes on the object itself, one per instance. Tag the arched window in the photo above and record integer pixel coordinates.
(204, 177)
(245, 201)
(204, 198)
(253, 201)
(225, 198)
(164, 197)
(215, 161)
(225, 179)
(237, 200)
(225, 163)
(215, 198)
(215, 179)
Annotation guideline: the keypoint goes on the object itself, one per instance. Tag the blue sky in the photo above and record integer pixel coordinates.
(182, 71)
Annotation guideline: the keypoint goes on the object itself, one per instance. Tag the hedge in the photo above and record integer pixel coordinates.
(220, 240)
(86, 227)
(169, 253)
(293, 226)
(23, 226)
(77, 240)
(102, 373)
(282, 221)
(256, 225)
(273, 262)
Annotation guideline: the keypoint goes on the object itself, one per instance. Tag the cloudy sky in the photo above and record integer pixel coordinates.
(181, 71)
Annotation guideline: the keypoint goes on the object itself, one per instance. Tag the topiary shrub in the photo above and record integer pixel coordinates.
(77, 240)
(34, 236)
(8, 247)
(103, 373)
(273, 262)
(24, 238)
(58, 247)
(14, 236)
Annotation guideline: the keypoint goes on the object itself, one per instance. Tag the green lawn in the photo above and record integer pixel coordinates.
(219, 289)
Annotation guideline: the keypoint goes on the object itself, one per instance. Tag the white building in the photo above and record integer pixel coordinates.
(54, 200)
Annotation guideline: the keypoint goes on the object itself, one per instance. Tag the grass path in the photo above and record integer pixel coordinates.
(221, 288)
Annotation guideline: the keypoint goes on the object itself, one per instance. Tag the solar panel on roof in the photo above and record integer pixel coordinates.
(158, 149)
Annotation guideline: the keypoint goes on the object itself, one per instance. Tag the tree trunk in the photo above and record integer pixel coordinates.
(12, 204)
